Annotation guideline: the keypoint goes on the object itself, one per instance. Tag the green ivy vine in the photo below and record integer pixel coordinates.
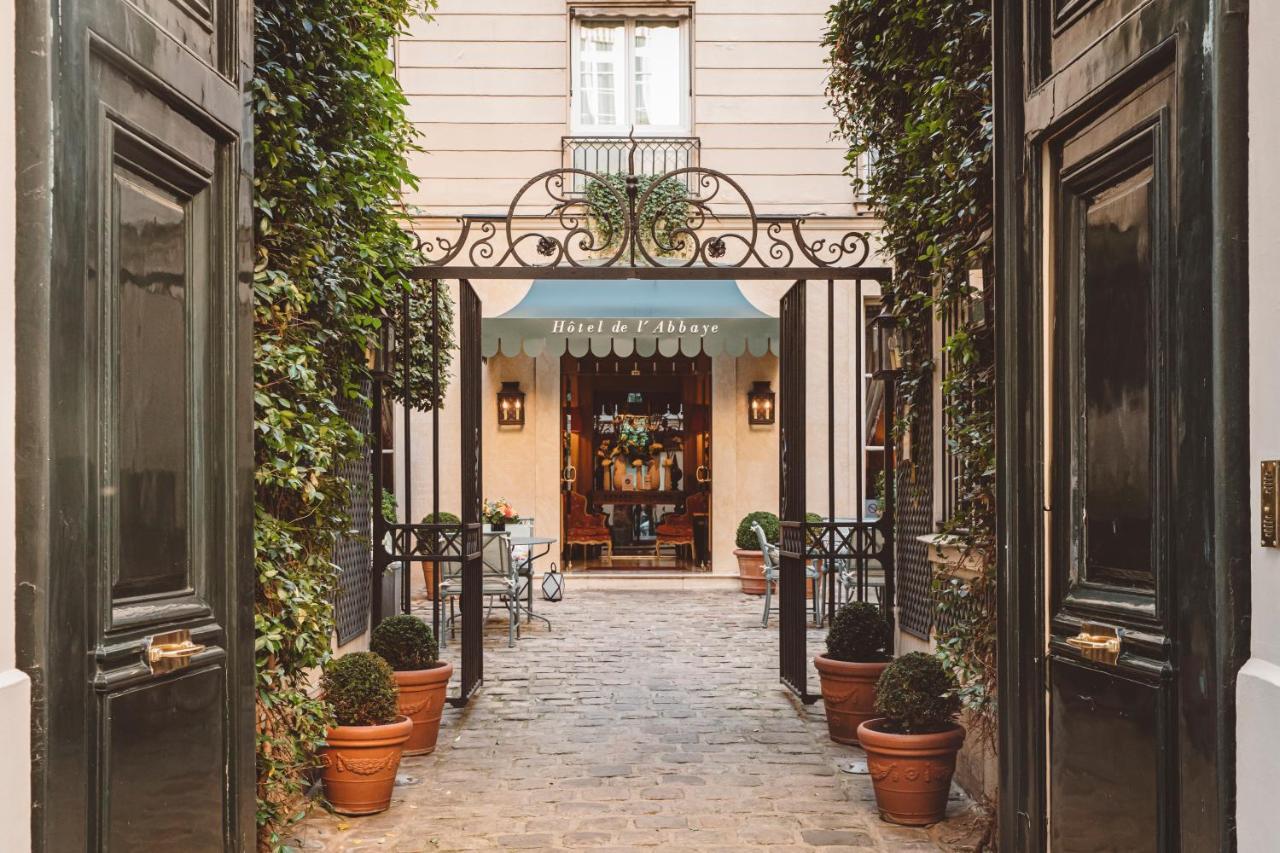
(666, 211)
(910, 85)
(330, 148)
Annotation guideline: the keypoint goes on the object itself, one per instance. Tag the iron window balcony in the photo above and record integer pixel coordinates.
(655, 155)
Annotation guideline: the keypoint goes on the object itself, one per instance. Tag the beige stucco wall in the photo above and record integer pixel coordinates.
(488, 86)
(15, 693)
(1257, 750)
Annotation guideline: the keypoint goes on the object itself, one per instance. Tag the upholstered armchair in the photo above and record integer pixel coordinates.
(676, 529)
(586, 528)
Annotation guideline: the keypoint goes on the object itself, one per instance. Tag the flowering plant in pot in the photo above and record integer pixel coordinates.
(364, 746)
(750, 557)
(406, 643)
(911, 747)
(498, 514)
(858, 651)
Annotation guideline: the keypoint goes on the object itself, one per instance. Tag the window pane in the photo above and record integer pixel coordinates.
(1117, 384)
(657, 74)
(601, 56)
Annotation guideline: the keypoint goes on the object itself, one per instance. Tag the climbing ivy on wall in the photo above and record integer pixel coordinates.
(664, 213)
(910, 86)
(330, 148)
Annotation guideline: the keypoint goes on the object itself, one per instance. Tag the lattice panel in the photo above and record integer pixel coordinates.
(915, 519)
(353, 553)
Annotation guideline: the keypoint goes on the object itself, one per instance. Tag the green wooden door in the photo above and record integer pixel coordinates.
(1122, 478)
(135, 428)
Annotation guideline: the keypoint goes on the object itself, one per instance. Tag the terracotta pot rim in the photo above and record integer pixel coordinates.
(947, 740)
(848, 667)
(387, 734)
(442, 671)
(743, 552)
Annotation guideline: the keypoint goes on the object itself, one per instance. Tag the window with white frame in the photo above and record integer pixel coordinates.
(630, 72)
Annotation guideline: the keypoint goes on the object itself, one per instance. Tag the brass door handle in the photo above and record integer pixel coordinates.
(1104, 648)
(172, 650)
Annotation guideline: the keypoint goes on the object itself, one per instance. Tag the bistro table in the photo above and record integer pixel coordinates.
(524, 569)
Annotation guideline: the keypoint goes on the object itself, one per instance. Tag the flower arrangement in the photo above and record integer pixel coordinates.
(635, 443)
(499, 512)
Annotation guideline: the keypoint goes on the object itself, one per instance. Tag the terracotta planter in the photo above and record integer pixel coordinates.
(911, 773)
(422, 700)
(849, 694)
(750, 571)
(360, 765)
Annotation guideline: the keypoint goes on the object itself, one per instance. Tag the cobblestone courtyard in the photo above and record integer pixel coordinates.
(641, 720)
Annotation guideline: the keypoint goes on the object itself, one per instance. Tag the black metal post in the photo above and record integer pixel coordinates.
(436, 538)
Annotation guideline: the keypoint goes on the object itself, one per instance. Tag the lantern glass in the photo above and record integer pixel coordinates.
(510, 405)
(760, 404)
(886, 344)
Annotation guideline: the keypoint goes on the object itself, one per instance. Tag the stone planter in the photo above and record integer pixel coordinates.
(750, 571)
(911, 774)
(849, 695)
(422, 694)
(360, 765)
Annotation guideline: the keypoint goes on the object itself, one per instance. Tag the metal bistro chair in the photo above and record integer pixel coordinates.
(498, 583)
(772, 575)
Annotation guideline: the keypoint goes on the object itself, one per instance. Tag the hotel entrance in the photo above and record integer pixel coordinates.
(637, 479)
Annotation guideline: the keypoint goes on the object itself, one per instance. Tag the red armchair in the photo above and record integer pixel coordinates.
(676, 529)
(586, 528)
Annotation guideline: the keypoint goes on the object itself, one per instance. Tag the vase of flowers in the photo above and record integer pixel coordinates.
(498, 514)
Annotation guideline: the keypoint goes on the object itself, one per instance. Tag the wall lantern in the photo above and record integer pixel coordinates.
(760, 404)
(511, 405)
(886, 338)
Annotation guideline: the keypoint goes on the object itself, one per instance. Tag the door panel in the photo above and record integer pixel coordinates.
(1122, 504)
(1111, 437)
(139, 451)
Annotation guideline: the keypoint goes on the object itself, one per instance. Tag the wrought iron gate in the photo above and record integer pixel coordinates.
(472, 495)
(852, 555)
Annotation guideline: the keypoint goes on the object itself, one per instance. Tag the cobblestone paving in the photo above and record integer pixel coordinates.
(640, 721)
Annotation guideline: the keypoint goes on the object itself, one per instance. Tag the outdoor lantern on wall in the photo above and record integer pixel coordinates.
(760, 404)
(886, 339)
(511, 405)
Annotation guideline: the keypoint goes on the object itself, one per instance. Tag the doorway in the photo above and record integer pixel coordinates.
(636, 439)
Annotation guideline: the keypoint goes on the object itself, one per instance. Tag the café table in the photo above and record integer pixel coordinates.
(524, 569)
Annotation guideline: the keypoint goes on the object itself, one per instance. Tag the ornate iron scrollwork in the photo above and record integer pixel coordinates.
(716, 225)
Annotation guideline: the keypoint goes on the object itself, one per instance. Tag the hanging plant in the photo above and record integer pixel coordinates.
(666, 211)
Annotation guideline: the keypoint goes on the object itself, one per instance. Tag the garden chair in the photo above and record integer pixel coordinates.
(772, 575)
(498, 584)
(676, 529)
(586, 528)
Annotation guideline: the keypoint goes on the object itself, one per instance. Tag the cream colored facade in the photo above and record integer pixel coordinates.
(489, 87)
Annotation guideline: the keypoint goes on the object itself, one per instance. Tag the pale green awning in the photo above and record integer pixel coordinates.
(632, 316)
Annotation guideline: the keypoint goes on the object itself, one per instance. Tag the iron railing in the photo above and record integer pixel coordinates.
(610, 155)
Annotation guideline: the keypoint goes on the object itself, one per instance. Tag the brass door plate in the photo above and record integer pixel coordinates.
(1270, 503)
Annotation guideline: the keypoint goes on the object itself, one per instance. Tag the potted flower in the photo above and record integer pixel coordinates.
(911, 748)
(407, 644)
(858, 651)
(498, 514)
(750, 557)
(364, 745)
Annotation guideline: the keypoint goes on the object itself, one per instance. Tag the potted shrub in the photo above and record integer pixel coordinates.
(750, 558)
(363, 747)
(858, 650)
(407, 644)
(911, 747)
(437, 544)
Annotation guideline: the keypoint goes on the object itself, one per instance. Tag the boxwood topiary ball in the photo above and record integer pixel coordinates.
(361, 689)
(405, 642)
(917, 695)
(859, 634)
(746, 539)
